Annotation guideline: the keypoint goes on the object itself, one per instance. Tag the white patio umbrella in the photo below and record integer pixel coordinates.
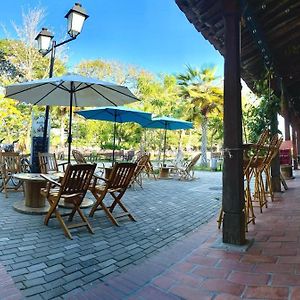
(70, 90)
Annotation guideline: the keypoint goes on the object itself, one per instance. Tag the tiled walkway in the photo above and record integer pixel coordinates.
(194, 269)
(44, 264)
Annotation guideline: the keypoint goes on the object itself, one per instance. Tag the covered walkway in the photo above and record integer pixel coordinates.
(197, 268)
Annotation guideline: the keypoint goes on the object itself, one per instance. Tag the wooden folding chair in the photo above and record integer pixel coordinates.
(71, 190)
(78, 156)
(10, 164)
(187, 173)
(116, 185)
(48, 163)
(149, 169)
(141, 165)
(80, 159)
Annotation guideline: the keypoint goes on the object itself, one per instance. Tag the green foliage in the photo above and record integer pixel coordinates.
(259, 117)
(202, 100)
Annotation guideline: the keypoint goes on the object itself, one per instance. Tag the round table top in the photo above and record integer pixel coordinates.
(37, 176)
(167, 168)
(29, 176)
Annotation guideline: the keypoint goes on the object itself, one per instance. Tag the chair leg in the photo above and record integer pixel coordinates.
(85, 220)
(220, 218)
(118, 201)
(99, 199)
(109, 214)
(5, 186)
(50, 212)
(72, 214)
(99, 202)
(64, 226)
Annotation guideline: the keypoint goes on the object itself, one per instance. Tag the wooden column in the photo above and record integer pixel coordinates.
(298, 139)
(287, 134)
(275, 166)
(233, 183)
(286, 115)
(295, 150)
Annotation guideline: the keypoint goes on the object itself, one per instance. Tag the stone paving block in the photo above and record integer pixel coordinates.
(20, 265)
(106, 263)
(37, 267)
(56, 255)
(19, 272)
(33, 282)
(72, 246)
(88, 263)
(124, 262)
(54, 284)
(73, 276)
(91, 276)
(23, 258)
(56, 292)
(54, 268)
(33, 291)
(108, 270)
(53, 262)
(33, 275)
(74, 284)
(54, 275)
(87, 257)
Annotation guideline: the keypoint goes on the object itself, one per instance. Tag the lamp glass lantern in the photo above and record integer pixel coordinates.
(44, 39)
(76, 17)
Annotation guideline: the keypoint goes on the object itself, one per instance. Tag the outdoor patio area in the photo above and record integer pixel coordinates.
(44, 264)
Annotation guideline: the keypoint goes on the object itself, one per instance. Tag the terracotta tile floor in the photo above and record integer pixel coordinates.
(194, 269)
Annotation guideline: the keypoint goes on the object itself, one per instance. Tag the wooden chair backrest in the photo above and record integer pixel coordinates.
(11, 162)
(263, 137)
(47, 162)
(79, 158)
(141, 164)
(193, 162)
(77, 179)
(179, 159)
(120, 176)
(275, 144)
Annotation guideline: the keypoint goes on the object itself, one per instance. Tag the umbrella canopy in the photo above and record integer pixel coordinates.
(167, 123)
(70, 90)
(116, 114)
(56, 91)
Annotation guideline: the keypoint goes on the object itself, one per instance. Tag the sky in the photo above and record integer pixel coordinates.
(152, 34)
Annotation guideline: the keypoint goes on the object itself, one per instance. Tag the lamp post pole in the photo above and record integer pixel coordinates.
(51, 68)
(76, 17)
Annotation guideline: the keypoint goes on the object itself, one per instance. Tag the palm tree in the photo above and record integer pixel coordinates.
(202, 98)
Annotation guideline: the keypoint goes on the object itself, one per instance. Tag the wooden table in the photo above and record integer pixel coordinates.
(34, 202)
(165, 172)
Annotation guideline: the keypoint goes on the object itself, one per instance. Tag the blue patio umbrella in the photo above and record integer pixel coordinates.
(167, 123)
(116, 114)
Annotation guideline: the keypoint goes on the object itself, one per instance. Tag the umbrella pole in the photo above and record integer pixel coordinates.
(114, 143)
(70, 122)
(165, 142)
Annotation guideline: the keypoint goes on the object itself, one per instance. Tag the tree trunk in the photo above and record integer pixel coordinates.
(203, 161)
(180, 141)
(161, 142)
(62, 132)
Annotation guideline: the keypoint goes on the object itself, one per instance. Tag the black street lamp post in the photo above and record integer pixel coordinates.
(76, 17)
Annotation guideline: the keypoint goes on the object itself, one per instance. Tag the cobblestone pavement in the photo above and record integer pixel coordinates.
(44, 264)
